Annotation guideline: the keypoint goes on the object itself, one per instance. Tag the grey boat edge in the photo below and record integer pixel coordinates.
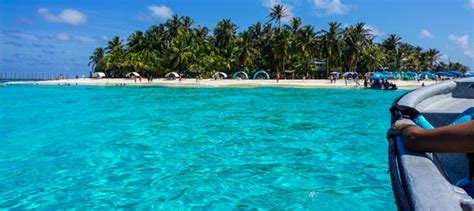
(426, 181)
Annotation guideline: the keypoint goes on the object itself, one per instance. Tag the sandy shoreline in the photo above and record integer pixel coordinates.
(217, 83)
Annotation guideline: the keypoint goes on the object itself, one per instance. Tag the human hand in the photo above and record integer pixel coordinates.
(398, 129)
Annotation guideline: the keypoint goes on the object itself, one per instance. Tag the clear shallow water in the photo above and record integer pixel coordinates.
(179, 148)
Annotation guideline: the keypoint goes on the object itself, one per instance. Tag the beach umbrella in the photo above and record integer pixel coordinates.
(172, 74)
(98, 75)
(378, 76)
(368, 74)
(132, 74)
(455, 73)
(410, 73)
(335, 73)
(220, 75)
(347, 73)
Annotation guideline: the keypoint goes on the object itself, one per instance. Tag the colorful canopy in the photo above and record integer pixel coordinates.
(236, 74)
(261, 72)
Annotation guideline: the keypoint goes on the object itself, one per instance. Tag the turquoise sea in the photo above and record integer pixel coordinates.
(194, 148)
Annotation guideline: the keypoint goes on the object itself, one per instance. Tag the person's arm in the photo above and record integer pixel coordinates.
(456, 138)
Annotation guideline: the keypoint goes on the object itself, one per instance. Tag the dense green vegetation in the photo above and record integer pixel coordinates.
(177, 45)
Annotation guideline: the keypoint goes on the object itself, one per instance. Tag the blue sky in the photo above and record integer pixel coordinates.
(52, 36)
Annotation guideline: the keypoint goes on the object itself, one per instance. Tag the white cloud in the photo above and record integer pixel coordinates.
(463, 42)
(332, 7)
(63, 36)
(289, 9)
(426, 34)
(374, 30)
(470, 4)
(160, 11)
(68, 16)
(444, 57)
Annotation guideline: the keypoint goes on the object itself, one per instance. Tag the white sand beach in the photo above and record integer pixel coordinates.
(218, 83)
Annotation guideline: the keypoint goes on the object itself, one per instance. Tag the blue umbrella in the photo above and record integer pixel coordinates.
(410, 73)
(455, 73)
(379, 76)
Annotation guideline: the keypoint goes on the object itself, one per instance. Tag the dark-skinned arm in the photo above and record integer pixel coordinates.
(456, 138)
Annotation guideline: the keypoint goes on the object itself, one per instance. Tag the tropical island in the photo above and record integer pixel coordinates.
(177, 49)
(179, 46)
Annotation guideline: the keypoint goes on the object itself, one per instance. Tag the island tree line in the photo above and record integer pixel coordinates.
(177, 45)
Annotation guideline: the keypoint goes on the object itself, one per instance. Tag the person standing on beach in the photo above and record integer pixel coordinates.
(277, 76)
(356, 78)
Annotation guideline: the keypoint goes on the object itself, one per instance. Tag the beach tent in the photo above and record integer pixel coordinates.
(425, 75)
(237, 74)
(261, 72)
(347, 74)
(455, 73)
(396, 75)
(378, 76)
(441, 73)
(132, 74)
(172, 75)
(410, 75)
(98, 75)
(469, 74)
(219, 75)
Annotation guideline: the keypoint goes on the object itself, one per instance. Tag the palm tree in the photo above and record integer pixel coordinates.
(115, 55)
(391, 45)
(96, 60)
(392, 42)
(278, 12)
(180, 53)
(114, 43)
(295, 24)
(179, 45)
(172, 25)
(430, 58)
(373, 58)
(135, 42)
(186, 22)
(224, 38)
(246, 54)
(281, 47)
(356, 39)
(331, 43)
(224, 33)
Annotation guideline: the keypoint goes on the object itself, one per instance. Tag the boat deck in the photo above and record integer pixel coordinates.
(449, 105)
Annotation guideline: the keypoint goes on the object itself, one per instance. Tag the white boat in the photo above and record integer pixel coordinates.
(430, 181)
